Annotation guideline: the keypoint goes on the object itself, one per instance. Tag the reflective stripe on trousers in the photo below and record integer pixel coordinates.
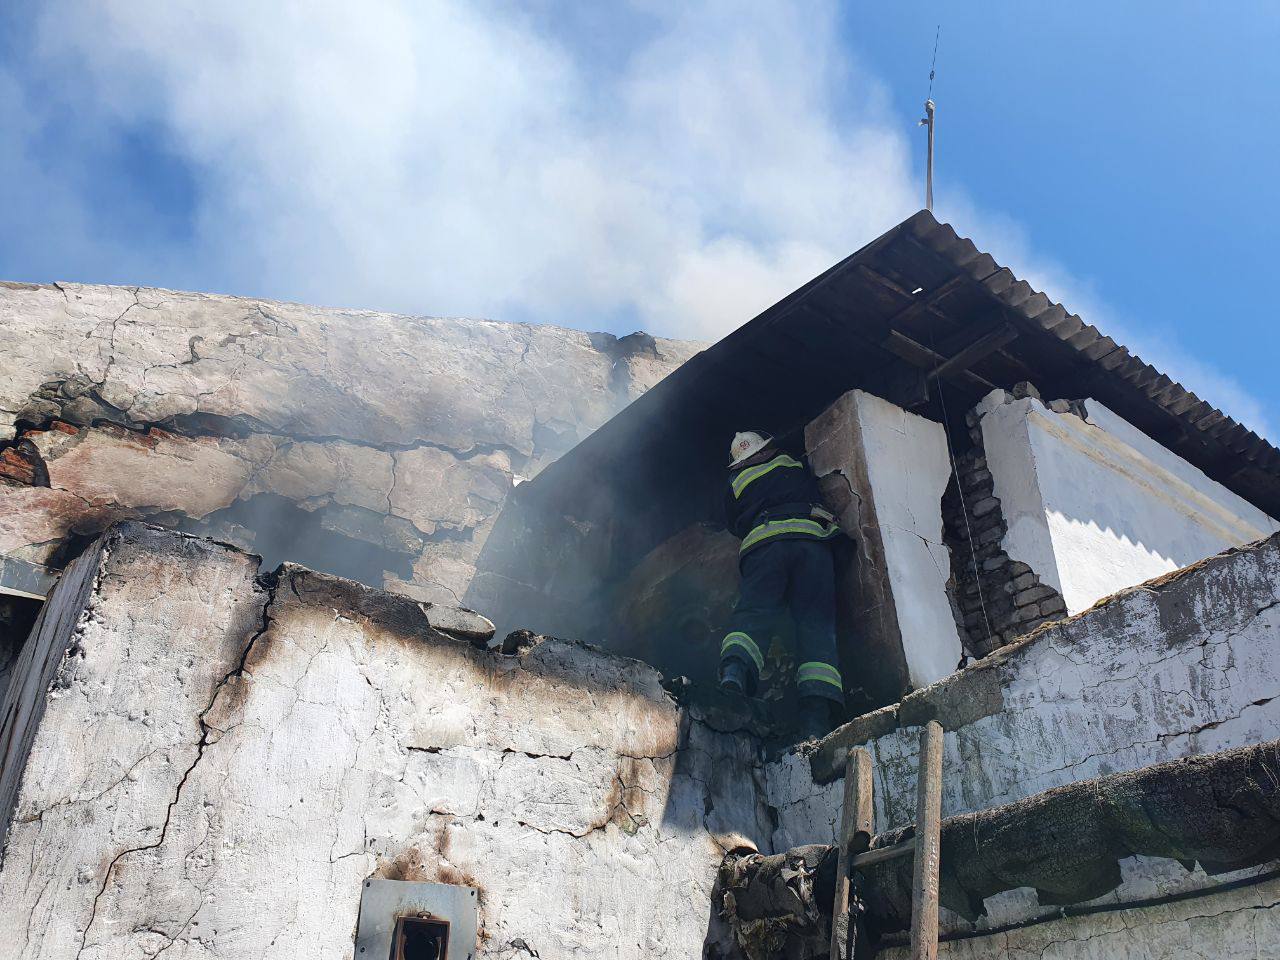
(819, 672)
(797, 578)
(740, 640)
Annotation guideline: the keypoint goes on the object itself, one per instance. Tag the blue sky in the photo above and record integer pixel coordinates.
(669, 167)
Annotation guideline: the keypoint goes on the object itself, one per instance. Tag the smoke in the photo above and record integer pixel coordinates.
(476, 159)
(672, 167)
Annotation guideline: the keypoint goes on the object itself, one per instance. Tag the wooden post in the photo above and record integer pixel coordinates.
(855, 835)
(924, 899)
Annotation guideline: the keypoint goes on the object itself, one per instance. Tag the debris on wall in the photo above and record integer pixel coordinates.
(778, 905)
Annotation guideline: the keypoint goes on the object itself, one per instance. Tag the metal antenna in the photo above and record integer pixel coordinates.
(929, 108)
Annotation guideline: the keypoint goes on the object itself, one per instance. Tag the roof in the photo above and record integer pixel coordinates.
(918, 307)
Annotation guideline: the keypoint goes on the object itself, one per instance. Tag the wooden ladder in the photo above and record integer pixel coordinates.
(855, 838)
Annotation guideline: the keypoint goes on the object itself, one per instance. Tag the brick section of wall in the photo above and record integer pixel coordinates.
(996, 598)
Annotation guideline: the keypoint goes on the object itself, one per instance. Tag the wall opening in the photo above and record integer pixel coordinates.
(420, 938)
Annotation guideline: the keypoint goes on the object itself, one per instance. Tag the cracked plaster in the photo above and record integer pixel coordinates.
(1181, 666)
(211, 400)
(224, 760)
(895, 468)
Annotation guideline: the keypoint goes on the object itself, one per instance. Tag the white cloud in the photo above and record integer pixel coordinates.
(471, 158)
(459, 158)
(1008, 242)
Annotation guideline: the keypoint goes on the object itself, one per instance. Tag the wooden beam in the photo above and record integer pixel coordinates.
(855, 836)
(927, 359)
(924, 891)
(906, 848)
(925, 300)
(983, 346)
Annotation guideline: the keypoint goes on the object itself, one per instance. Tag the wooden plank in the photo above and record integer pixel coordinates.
(984, 345)
(909, 350)
(924, 894)
(928, 359)
(882, 855)
(855, 835)
(926, 300)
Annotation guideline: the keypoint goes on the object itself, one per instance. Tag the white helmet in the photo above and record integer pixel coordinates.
(746, 444)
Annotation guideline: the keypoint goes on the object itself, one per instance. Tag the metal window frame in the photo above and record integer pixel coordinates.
(384, 903)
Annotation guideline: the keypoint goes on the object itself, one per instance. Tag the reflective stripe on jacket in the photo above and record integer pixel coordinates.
(787, 529)
(770, 497)
(743, 478)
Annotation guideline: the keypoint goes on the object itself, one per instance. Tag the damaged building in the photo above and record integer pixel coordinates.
(340, 634)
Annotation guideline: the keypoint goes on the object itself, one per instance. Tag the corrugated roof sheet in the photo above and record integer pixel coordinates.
(883, 319)
(1094, 347)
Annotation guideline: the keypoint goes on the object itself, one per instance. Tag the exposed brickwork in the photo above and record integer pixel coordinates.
(996, 597)
(21, 463)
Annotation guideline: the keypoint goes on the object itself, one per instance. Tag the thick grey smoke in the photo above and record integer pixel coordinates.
(463, 158)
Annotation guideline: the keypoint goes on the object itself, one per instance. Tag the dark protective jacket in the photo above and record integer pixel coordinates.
(772, 496)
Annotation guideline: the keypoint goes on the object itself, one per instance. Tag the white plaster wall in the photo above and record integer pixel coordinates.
(1097, 506)
(207, 785)
(908, 466)
(1242, 924)
(1182, 668)
(907, 469)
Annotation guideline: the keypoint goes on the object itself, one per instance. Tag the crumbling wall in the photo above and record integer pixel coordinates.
(376, 446)
(674, 608)
(1093, 505)
(1180, 666)
(997, 598)
(224, 759)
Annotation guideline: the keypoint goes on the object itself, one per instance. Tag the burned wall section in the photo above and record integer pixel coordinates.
(997, 598)
(1180, 666)
(209, 726)
(643, 563)
(371, 445)
(601, 565)
(882, 471)
(637, 560)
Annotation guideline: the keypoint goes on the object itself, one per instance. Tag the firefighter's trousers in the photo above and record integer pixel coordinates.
(796, 577)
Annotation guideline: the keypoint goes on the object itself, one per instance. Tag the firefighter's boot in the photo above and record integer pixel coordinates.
(814, 715)
(733, 677)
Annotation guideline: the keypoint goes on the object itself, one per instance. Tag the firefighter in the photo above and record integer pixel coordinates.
(786, 565)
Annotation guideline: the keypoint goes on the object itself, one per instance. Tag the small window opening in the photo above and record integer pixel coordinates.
(420, 938)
